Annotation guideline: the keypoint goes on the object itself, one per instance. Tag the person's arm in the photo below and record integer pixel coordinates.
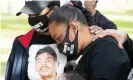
(16, 68)
(129, 42)
(100, 33)
(122, 38)
(10, 62)
(109, 62)
(128, 45)
(104, 22)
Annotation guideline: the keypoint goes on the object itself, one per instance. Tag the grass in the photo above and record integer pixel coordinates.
(11, 22)
(3, 68)
(5, 50)
(129, 12)
(13, 26)
(126, 26)
(125, 12)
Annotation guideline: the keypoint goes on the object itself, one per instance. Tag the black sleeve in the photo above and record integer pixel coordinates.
(10, 62)
(107, 24)
(17, 64)
(103, 22)
(128, 45)
(109, 62)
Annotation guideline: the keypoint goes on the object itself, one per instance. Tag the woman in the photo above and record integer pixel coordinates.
(102, 59)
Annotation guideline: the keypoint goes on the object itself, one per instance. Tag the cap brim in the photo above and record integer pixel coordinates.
(26, 10)
(33, 7)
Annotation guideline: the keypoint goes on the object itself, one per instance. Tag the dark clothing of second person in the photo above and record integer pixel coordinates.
(103, 60)
(101, 21)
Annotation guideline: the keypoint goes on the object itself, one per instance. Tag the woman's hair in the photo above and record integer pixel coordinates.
(78, 4)
(66, 14)
(53, 3)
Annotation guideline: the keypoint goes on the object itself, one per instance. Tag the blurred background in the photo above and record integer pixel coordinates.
(119, 11)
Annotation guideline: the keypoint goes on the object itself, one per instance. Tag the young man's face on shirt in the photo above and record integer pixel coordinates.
(45, 65)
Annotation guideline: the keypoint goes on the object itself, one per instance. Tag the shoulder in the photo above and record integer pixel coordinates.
(108, 40)
(107, 52)
(16, 40)
(102, 47)
(98, 13)
(108, 47)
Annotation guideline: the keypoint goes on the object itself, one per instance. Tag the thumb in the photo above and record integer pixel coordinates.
(120, 45)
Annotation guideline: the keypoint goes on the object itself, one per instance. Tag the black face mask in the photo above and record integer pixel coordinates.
(39, 23)
(67, 47)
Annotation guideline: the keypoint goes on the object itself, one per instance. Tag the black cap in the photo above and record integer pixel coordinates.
(33, 7)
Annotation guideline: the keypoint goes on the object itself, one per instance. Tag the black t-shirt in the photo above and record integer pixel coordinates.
(103, 60)
(42, 39)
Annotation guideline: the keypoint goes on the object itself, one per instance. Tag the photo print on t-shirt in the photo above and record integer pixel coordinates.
(32, 73)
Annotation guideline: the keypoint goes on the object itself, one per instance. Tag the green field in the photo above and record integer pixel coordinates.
(13, 26)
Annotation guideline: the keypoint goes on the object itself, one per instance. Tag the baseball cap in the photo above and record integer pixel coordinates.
(33, 7)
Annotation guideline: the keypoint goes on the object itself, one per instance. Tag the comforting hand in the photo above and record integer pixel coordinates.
(95, 29)
(118, 35)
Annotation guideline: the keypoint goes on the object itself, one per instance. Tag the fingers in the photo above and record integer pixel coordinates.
(95, 29)
(99, 34)
(120, 45)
